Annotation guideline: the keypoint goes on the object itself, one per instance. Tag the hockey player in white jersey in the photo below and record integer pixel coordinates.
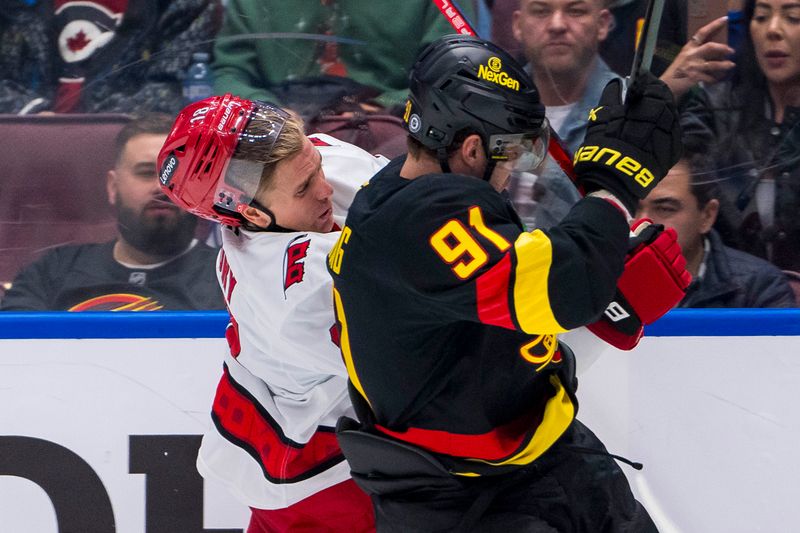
(280, 197)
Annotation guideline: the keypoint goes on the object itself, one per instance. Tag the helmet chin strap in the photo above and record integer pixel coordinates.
(490, 163)
(273, 225)
(487, 173)
(441, 155)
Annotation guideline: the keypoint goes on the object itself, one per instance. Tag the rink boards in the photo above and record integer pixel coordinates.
(100, 418)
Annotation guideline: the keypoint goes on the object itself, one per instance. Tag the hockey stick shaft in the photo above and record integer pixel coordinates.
(455, 17)
(643, 58)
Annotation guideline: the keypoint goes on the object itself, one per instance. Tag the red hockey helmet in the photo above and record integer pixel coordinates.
(198, 166)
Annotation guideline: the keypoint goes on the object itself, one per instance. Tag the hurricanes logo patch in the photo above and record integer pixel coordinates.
(294, 268)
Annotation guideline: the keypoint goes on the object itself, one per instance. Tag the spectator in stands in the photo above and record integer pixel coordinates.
(155, 263)
(753, 122)
(357, 57)
(560, 41)
(619, 47)
(686, 200)
(101, 55)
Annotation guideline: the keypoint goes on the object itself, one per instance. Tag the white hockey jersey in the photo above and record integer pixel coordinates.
(284, 385)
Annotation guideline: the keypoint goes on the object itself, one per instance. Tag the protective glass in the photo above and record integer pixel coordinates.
(257, 135)
(520, 152)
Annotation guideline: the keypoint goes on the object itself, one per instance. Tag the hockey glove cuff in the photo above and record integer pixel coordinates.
(653, 282)
(619, 326)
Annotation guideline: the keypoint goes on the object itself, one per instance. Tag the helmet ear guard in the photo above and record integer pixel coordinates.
(463, 83)
(200, 168)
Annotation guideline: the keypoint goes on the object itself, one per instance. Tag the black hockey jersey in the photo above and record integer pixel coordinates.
(449, 312)
(86, 277)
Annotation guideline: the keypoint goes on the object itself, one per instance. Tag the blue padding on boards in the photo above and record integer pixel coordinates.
(211, 324)
(726, 323)
(114, 325)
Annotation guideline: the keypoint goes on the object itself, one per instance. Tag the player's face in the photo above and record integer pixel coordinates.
(145, 216)
(775, 30)
(672, 204)
(299, 195)
(561, 36)
(501, 177)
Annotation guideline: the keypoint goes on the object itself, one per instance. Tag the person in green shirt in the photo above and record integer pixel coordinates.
(327, 56)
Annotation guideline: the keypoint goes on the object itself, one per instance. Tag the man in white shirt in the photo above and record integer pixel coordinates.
(561, 41)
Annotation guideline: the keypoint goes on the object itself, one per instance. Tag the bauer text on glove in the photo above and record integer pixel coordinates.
(630, 146)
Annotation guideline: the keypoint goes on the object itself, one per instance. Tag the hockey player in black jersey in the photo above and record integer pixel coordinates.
(450, 312)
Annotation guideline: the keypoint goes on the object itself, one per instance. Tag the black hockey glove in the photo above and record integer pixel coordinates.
(629, 147)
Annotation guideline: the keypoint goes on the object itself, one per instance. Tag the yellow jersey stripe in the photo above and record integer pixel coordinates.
(344, 345)
(534, 253)
(558, 415)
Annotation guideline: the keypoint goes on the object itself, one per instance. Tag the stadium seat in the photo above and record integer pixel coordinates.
(377, 134)
(53, 175)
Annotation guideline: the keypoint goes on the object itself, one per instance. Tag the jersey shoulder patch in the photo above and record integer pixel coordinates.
(294, 268)
(316, 141)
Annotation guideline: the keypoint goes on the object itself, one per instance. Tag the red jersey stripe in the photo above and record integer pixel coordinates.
(497, 445)
(241, 420)
(492, 295)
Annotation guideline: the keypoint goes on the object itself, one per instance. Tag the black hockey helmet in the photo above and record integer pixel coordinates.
(460, 82)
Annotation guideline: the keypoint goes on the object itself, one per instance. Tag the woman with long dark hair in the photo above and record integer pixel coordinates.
(750, 126)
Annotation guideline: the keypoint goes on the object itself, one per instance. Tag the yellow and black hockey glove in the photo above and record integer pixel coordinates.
(630, 146)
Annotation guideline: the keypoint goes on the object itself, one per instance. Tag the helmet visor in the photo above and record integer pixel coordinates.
(256, 138)
(520, 152)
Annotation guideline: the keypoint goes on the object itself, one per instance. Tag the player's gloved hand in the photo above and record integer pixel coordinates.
(653, 282)
(630, 146)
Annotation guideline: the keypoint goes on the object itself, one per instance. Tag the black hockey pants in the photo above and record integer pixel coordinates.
(565, 490)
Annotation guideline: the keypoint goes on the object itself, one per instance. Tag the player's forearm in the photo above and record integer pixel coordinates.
(589, 248)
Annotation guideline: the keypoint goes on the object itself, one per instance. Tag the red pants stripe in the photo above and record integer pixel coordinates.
(343, 508)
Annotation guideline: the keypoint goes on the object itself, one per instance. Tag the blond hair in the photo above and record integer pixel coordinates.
(290, 142)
